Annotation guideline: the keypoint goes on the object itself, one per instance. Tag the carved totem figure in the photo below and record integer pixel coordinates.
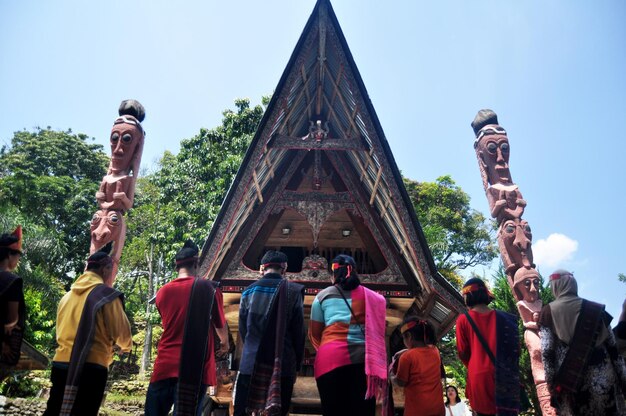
(117, 189)
(108, 226)
(492, 149)
(515, 241)
(514, 237)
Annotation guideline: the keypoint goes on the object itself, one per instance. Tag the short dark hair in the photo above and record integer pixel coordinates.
(187, 256)
(422, 331)
(479, 295)
(273, 259)
(6, 240)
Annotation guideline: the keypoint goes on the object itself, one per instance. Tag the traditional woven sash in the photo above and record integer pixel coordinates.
(264, 395)
(507, 368)
(506, 362)
(97, 298)
(10, 345)
(194, 348)
(570, 374)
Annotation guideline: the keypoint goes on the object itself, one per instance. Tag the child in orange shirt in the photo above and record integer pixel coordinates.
(419, 370)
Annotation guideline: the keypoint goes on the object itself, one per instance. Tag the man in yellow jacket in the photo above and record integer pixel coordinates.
(90, 321)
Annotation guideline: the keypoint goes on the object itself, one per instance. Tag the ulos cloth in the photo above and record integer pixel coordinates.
(172, 301)
(420, 369)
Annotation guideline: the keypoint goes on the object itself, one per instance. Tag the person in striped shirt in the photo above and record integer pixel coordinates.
(337, 332)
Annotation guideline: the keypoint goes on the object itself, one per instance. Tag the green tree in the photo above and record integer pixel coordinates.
(193, 183)
(51, 177)
(458, 236)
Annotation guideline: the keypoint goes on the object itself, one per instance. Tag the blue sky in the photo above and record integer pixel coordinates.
(555, 72)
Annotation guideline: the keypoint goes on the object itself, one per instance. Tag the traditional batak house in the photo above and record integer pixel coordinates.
(319, 179)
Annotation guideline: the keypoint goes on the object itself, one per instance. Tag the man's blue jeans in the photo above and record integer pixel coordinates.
(162, 394)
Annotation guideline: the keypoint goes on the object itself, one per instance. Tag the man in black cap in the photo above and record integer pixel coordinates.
(191, 309)
(271, 328)
(90, 321)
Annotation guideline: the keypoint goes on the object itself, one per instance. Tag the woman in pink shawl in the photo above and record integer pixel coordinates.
(347, 329)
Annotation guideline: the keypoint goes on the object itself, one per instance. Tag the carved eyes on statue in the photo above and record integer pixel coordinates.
(509, 227)
(112, 218)
(126, 138)
(492, 147)
(528, 283)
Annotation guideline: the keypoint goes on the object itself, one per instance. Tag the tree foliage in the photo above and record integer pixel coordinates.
(51, 178)
(458, 236)
(187, 189)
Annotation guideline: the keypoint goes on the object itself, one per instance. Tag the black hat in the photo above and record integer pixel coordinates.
(101, 257)
(188, 252)
(484, 118)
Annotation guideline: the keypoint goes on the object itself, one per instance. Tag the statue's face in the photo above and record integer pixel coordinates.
(493, 150)
(124, 140)
(105, 227)
(517, 239)
(526, 284)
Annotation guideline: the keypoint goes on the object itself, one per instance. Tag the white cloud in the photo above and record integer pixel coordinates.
(554, 250)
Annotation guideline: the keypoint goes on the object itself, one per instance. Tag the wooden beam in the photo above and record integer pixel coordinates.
(338, 197)
(380, 172)
(258, 188)
(306, 91)
(345, 106)
(282, 141)
(269, 166)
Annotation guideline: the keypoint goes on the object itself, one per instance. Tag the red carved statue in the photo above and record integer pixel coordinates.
(492, 150)
(515, 240)
(117, 189)
(514, 237)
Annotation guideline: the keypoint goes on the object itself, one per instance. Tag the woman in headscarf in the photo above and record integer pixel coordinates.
(347, 329)
(584, 372)
(12, 308)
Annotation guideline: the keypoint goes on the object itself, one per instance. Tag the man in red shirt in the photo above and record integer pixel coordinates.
(190, 309)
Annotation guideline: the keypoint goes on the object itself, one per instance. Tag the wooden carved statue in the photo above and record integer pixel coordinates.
(514, 237)
(526, 286)
(117, 189)
(515, 241)
(492, 150)
(108, 226)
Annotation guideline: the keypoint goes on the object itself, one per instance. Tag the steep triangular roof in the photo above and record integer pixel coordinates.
(320, 128)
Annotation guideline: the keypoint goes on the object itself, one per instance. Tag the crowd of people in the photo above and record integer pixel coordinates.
(584, 371)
